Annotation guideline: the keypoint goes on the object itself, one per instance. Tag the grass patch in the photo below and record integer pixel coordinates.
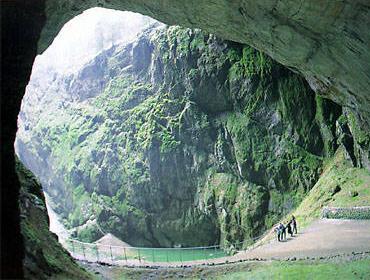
(179, 255)
(334, 189)
(341, 268)
(284, 270)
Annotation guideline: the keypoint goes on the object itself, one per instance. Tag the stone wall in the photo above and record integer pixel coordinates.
(357, 213)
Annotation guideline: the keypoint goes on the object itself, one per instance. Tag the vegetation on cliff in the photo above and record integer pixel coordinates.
(193, 141)
(44, 258)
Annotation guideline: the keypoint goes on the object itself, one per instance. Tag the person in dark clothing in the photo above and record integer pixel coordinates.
(277, 230)
(289, 227)
(294, 224)
(282, 232)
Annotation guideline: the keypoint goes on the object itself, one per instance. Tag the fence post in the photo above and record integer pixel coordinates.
(138, 252)
(83, 251)
(205, 254)
(111, 255)
(181, 255)
(167, 255)
(124, 250)
(73, 247)
(153, 255)
(97, 253)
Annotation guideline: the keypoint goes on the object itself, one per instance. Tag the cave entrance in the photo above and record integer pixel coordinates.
(87, 100)
(65, 81)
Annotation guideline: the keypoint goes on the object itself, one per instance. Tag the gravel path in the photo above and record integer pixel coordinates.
(325, 237)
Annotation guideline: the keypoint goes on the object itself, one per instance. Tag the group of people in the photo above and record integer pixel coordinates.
(281, 230)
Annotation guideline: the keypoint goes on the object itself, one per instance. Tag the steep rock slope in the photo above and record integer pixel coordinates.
(44, 256)
(193, 140)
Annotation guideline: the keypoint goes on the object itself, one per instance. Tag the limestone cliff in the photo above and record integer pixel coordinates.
(327, 41)
(193, 140)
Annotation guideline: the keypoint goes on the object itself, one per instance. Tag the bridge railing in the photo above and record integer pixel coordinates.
(94, 252)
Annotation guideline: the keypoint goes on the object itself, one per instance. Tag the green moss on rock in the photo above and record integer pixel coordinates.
(45, 258)
(212, 143)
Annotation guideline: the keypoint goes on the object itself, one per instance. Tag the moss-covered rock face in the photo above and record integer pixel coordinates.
(340, 185)
(193, 141)
(44, 256)
(339, 56)
(327, 41)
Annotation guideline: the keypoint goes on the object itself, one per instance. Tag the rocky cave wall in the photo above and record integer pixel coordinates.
(21, 24)
(327, 41)
(44, 256)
